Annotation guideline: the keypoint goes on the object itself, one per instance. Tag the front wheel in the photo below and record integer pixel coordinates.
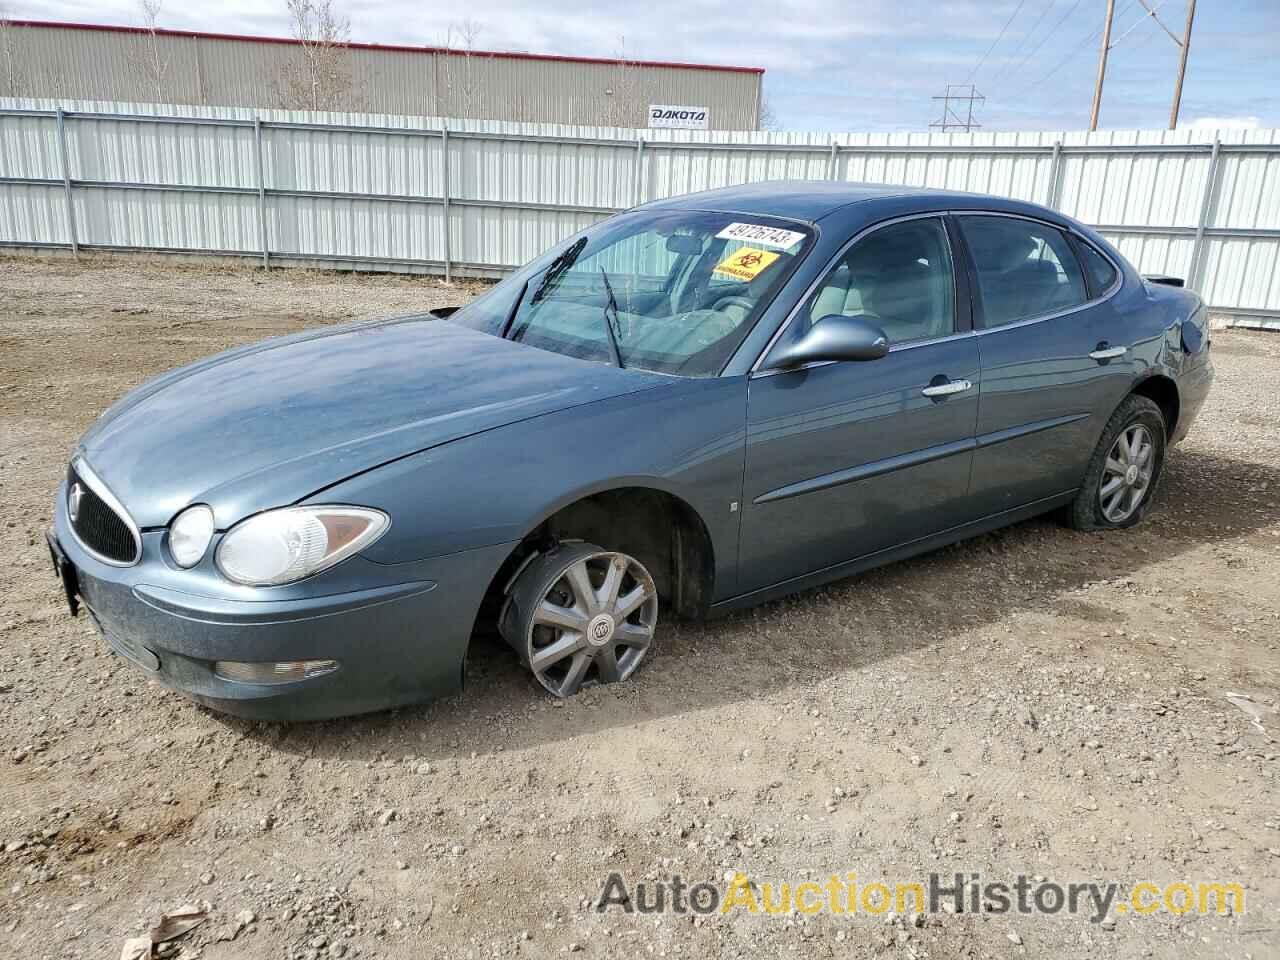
(579, 615)
(1122, 474)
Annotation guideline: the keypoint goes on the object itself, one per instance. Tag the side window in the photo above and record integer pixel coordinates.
(900, 277)
(1101, 273)
(1025, 268)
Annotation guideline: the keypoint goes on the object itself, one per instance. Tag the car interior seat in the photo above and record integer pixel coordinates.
(892, 280)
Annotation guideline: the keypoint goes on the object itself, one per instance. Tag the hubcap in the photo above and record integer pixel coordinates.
(1126, 475)
(594, 625)
(600, 629)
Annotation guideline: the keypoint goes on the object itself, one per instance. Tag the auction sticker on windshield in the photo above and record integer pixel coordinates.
(759, 233)
(746, 263)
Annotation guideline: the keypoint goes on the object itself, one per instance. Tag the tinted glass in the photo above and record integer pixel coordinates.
(1025, 269)
(1101, 273)
(677, 289)
(900, 277)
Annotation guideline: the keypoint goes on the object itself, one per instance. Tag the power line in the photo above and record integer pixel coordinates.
(1093, 35)
(1172, 36)
(998, 38)
(1140, 43)
(1045, 39)
(1151, 12)
(1023, 42)
(1075, 52)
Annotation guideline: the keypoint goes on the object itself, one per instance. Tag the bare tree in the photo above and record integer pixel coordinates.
(464, 90)
(768, 117)
(148, 58)
(15, 79)
(627, 92)
(20, 76)
(319, 78)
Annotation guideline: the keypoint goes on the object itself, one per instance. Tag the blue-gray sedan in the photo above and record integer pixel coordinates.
(698, 404)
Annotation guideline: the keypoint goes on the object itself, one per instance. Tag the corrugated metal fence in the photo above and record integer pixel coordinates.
(373, 191)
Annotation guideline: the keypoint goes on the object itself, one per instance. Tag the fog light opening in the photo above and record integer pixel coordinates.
(287, 671)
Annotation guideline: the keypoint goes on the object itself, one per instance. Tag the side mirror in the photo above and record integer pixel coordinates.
(443, 313)
(834, 337)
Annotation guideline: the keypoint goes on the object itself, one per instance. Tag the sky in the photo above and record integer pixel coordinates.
(856, 65)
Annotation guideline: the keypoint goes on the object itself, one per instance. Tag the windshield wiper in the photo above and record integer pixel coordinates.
(557, 267)
(515, 308)
(550, 274)
(608, 323)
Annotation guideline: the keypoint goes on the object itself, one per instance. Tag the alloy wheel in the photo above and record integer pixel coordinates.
(1126, 474)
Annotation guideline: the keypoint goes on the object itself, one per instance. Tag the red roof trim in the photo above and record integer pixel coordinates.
(398, 48)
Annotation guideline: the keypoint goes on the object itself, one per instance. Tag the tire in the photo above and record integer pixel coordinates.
(579, 615)
(1136, 421)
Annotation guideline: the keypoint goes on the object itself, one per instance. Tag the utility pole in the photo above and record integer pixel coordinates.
(1102, 65)
(1182, 65)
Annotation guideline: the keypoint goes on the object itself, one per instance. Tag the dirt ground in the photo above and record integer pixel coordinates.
(1036, 702)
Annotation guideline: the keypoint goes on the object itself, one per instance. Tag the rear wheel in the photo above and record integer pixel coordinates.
(579, 615)
(1124, 470)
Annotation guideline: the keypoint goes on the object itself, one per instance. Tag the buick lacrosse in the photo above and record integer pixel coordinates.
(701, 403)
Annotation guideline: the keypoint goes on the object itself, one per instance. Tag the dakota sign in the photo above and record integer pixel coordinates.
(681, 118)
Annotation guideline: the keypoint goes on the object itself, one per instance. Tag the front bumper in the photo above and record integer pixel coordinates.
(398, 631)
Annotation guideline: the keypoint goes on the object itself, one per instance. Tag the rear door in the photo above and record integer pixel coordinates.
(1055, 361)
(847, 459)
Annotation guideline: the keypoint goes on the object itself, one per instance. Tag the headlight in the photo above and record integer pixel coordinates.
(281, 546)
(189, 535)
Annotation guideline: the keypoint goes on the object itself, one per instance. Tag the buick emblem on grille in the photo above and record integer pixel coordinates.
(73, 501)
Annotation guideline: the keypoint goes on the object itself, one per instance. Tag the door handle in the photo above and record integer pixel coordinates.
(947, 389)
(1107, 353)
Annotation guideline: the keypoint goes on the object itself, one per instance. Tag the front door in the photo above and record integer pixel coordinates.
(847, 459)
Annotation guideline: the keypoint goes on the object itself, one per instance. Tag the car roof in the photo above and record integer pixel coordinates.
(811, 200)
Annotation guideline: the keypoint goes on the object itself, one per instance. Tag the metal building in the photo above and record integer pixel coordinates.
(79, 61)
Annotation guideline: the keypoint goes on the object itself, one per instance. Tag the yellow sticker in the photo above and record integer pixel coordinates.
(747, 263)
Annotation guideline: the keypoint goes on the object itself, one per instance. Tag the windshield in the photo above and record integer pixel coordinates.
(671, 291)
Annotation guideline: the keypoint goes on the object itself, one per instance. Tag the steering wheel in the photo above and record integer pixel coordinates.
(744, 302)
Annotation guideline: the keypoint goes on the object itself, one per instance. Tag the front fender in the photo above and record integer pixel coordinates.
(685, 438)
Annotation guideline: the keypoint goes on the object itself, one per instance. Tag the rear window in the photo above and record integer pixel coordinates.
(1025, 268)
(1098, 269)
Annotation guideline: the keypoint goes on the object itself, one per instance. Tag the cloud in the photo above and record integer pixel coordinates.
(1227, 123)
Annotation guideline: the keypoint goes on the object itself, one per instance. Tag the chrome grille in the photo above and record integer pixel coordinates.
(100, 526)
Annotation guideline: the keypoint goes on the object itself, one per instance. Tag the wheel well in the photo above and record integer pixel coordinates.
(1164, 393)
(658, 529)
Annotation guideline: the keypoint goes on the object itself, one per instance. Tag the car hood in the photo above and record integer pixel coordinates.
(270, 424)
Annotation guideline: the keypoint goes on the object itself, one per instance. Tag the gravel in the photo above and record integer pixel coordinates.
(1036, 700)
